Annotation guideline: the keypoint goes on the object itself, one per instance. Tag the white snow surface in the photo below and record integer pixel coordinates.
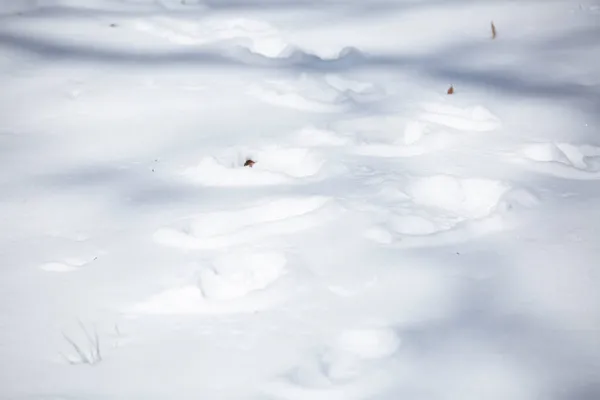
(390, 242)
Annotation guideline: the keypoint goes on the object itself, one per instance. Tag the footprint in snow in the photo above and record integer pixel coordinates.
(82, 253)
(356, 364)
(430, 131)
(240, 282)
(328, 94)
(392, 136)
(258, 37)
(469, 119)
(249, 225)
(68, 264)
(463, 198)
(273, 165)
(235, 275)
(562, 160)
(446, 209)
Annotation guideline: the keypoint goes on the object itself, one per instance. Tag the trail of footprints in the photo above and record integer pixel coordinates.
(250, 273)
(247, 278)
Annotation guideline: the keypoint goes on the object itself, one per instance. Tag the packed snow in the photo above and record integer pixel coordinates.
(283, 199)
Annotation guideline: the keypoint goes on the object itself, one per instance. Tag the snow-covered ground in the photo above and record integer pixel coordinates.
(392, 241)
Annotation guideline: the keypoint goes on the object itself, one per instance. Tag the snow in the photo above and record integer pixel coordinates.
(391, 241)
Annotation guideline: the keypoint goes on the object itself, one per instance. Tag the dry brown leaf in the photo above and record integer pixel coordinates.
(493, 31)
(451, 90)
(249, 163)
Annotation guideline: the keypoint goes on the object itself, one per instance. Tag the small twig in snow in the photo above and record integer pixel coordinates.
(82, 356)
(93, 354)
